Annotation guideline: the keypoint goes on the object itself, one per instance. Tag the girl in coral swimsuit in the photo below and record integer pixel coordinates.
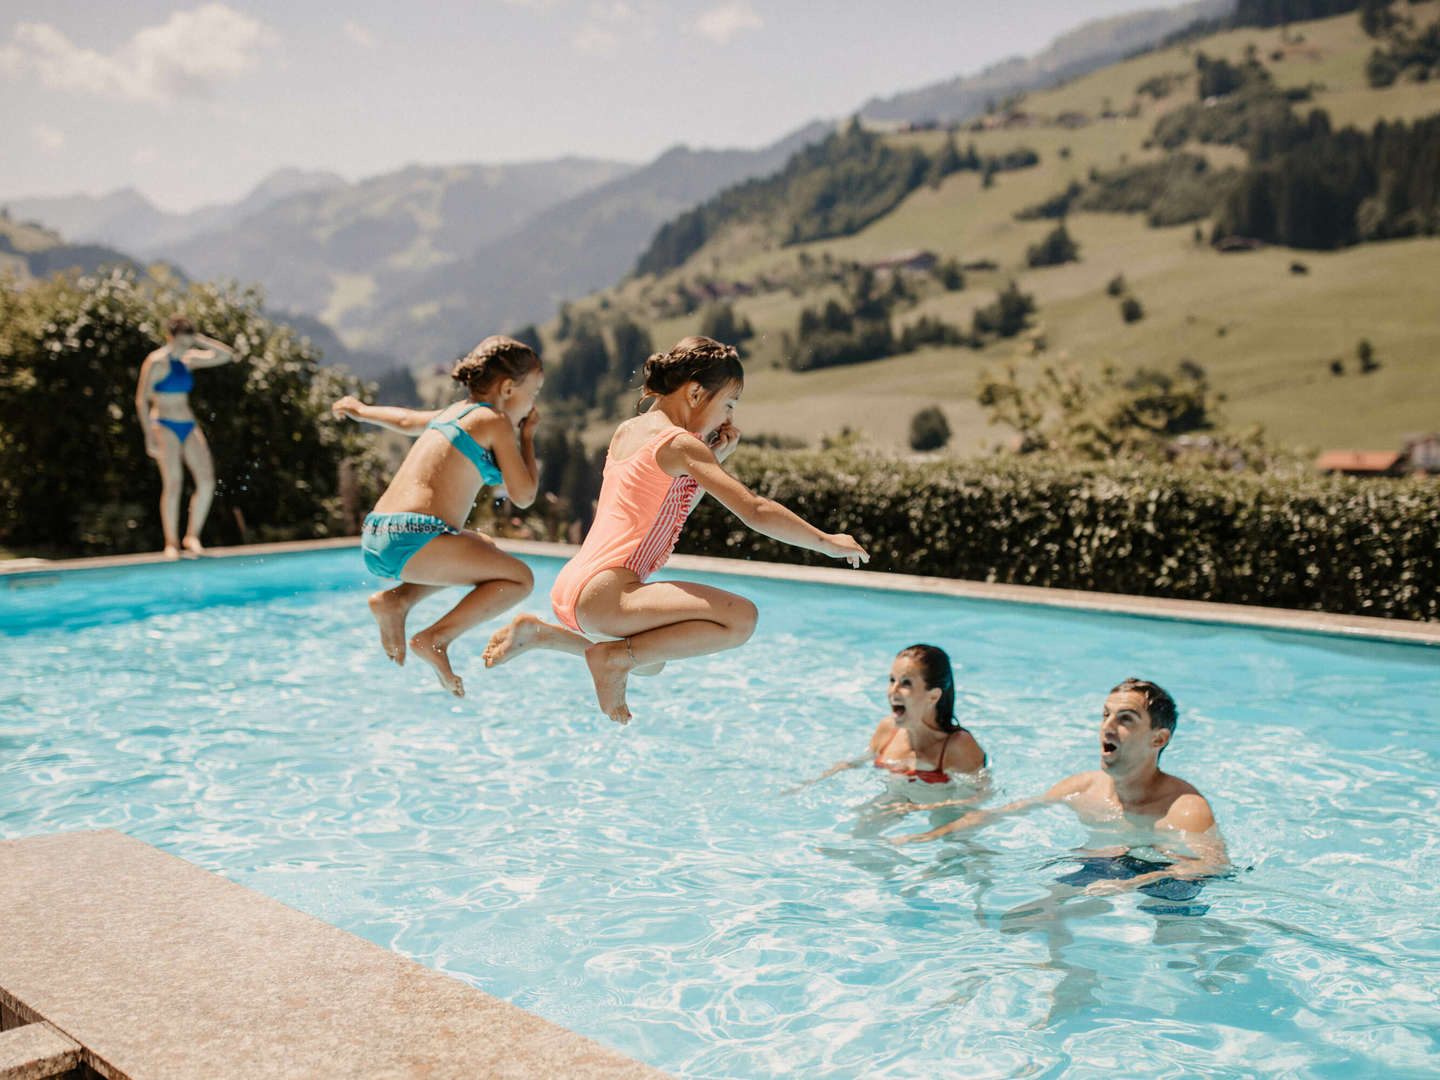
(660, 465)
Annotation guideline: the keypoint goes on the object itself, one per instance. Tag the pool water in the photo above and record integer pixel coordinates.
(653, 887)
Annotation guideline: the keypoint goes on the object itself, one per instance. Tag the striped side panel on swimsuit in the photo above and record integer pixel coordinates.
(654, 550)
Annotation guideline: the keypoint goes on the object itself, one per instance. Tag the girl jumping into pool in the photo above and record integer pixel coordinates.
(660, 465)
(172, 437)
(416, 532)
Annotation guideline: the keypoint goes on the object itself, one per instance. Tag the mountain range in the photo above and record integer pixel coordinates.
(417, 263)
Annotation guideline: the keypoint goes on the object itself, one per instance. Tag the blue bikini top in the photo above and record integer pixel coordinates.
(459, 438)
(177, 380)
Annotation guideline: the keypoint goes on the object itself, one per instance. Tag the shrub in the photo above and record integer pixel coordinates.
(1058, 247)
(1291, 540)
(1365, 353)
(1006, 317)
(929, 430)
(1116, 286)
(1131, 310)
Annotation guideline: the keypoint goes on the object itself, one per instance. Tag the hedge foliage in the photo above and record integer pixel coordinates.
(1289, 540)
(74, 475)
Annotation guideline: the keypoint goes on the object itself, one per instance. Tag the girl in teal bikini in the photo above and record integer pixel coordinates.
(416, 532)
(162, 402)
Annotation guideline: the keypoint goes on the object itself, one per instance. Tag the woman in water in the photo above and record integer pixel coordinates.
(172, 438)
(416, 533)
(921, 739)
(660, 465)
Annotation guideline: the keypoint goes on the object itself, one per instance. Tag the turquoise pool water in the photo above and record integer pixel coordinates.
(651, 887)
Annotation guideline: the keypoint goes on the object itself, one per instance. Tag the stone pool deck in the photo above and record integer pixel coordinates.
(121, 961)
(1360, 626)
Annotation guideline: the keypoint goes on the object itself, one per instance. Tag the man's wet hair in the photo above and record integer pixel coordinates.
(1159, 704)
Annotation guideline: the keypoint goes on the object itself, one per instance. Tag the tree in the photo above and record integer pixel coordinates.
(1058, 247)
(719, 321)
(632, 348)
(530, 335)
(1365, 353)
(1007, 316)
(1116, 287)
(1131, 310)
(1063, 410)
(929, 430)
(582, 364)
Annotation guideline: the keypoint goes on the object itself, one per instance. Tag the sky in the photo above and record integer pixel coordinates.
(194, 103)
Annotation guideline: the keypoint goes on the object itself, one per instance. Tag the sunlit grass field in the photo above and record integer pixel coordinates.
(1265, 334)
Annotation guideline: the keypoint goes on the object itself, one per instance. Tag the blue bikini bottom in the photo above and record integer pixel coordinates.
(389, 541)
(181, 428)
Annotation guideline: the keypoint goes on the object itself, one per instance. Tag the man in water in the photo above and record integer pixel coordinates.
(1129, 789)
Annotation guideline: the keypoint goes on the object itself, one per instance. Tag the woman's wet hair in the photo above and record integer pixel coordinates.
(934, 665)
(179, 324)
(497, 357)
(693, 359)
(1159, 704)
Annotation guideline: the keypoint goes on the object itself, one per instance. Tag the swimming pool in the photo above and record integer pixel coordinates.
(651, 887)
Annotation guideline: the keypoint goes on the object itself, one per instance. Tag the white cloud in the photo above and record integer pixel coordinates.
(185, 56)
(48, 137)
(145, 155)
(723, 23)
(595, 41)
(359, 35)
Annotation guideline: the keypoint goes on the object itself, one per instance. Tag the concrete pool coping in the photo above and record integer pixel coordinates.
(1314, 622)
(140, 965)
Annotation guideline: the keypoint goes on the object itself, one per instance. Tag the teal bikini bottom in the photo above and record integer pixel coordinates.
(389, 541)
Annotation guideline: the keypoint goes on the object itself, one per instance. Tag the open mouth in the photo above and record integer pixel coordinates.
(897, 711)
(1108, 746)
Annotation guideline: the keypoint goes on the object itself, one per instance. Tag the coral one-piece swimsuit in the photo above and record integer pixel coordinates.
(641, 511)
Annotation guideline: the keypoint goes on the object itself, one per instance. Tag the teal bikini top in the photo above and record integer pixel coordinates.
(459, 438)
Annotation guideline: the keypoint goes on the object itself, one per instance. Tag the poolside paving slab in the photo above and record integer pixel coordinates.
(162, 970)
(36, 1052)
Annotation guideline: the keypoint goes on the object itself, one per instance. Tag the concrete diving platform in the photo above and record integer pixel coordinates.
(120, 961)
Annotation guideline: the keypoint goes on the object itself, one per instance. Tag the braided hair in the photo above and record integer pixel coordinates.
(497, 357)
(693, 359)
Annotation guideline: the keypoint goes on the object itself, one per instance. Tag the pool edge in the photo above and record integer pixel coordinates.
(1203, 611)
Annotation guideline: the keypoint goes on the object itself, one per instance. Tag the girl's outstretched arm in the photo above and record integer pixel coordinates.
(687, 455)
(409, 422)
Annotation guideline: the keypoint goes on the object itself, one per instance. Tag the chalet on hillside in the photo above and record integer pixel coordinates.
(1360, 462)
(917, 260)
(1229, 245)
(1420, 457)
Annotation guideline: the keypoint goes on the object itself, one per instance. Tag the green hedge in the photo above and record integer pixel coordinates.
(1291, 540)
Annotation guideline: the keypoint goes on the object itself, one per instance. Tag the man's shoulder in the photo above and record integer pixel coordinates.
(1188, 810)
(1074, 785)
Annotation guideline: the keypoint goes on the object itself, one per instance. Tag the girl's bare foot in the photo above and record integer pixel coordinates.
(609, 664)
(434, 653)
(524, 633)
(390, 611)
(193, 546)
(172, 553)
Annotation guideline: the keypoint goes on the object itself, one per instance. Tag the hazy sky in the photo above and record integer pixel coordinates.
(194, 103)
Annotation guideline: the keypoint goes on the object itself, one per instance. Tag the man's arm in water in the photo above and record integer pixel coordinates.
(1065, 789)
(1191, 817)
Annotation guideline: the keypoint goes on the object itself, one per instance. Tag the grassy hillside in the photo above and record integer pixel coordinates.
(1266, 335)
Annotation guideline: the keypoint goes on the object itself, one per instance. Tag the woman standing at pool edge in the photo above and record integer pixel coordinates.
(172, 437)
(660, 464)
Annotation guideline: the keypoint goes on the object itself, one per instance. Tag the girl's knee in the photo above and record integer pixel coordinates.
(523, 576)
(744, 615)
